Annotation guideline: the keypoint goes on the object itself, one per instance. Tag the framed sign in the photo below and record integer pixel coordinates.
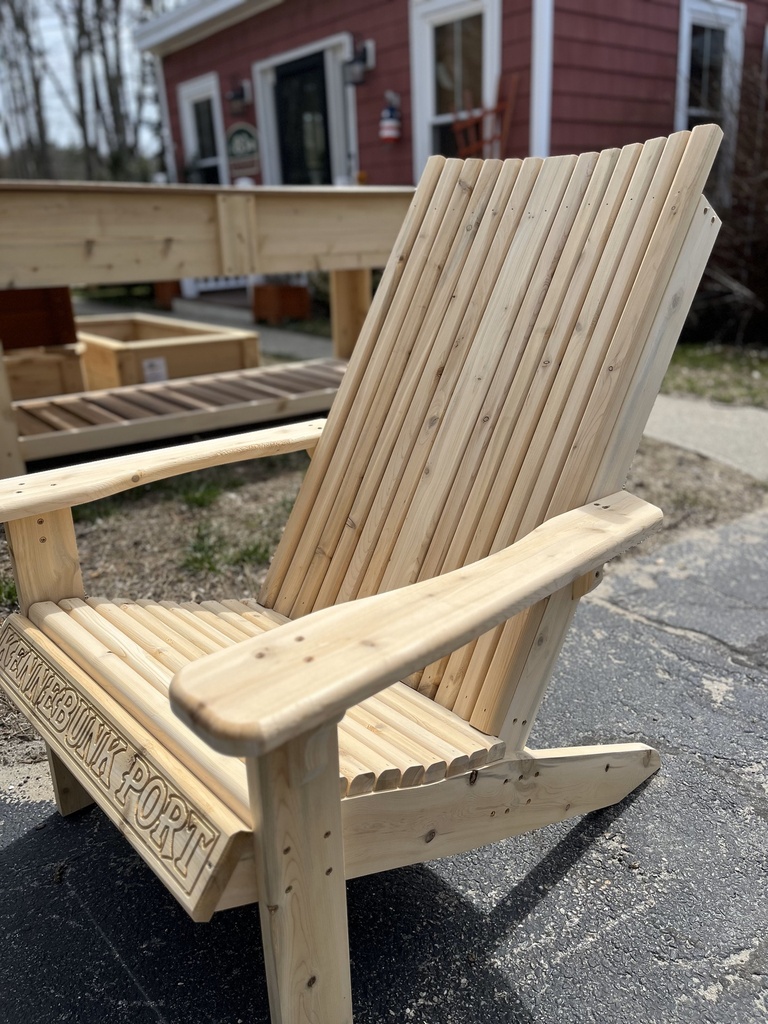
(242, 150)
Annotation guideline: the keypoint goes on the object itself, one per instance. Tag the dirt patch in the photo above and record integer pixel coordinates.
(693, 491)
(211, 536)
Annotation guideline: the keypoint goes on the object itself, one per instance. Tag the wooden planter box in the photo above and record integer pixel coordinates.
(277, 302)
(43, 371)
(138, 348)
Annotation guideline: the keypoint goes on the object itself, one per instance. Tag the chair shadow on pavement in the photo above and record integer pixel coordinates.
(89, 935)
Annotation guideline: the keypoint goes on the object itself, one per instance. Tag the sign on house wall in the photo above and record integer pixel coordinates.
(242, 151)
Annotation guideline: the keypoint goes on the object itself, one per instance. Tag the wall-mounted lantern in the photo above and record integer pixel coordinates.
(239, 95)
(363, 59)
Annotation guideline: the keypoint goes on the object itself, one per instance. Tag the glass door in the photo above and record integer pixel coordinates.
(302, 121)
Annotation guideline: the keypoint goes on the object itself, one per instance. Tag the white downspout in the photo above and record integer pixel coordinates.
(542, 49)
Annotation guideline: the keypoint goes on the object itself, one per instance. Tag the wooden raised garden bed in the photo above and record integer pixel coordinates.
(138, 348)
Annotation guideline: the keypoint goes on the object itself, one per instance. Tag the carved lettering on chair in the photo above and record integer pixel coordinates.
(166, 824)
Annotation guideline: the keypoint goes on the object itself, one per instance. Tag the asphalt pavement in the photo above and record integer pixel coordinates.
(651, 911)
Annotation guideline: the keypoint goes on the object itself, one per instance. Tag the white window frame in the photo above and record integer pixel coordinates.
(425, 16)
(340, 98)
(731, 17)
(204, 87)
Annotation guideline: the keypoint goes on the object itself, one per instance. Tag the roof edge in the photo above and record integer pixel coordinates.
(193, 21)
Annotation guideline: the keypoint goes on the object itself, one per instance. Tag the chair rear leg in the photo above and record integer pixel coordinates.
(70, 795)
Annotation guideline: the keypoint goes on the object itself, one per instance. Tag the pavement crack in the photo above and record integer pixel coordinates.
(685, 632)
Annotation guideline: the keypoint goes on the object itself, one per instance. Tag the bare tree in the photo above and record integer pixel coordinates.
(22, 57)
(107, 90)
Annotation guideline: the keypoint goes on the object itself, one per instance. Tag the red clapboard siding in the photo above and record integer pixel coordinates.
(288, 26)
(614, 68)
(614, 74)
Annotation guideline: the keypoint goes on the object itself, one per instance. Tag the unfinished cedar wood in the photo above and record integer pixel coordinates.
(58, 233)
(462, 497)
(102, 418)
(117, 347)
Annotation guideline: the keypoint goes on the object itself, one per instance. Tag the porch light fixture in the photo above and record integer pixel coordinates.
(363, 60)
(241, 92)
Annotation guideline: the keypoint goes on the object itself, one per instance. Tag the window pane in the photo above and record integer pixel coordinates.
(706, 74)
(443, 140)
(206, 140)
(458, 65)
(472, 62)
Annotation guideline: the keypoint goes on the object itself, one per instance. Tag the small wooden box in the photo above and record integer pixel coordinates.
(135, 348)
(42, 371)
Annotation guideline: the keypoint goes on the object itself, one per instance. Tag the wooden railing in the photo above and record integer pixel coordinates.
(54, 233)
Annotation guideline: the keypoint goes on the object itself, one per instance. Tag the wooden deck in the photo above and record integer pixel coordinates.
(92, 420)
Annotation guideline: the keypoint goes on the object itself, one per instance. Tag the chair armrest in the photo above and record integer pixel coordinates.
(258, 694)
(75, 485)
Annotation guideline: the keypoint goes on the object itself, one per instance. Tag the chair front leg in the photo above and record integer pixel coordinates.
(294, 792)
(46, 567)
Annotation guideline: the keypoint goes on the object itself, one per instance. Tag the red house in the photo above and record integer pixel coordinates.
(264, 88)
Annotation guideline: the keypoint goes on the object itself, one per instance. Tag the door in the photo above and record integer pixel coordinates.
(202, 131)
(302, 121)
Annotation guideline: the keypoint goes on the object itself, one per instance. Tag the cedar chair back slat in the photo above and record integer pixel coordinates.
(514, 321)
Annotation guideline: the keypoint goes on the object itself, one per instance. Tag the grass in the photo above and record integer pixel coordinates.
(8, 595)
(211, 548)
(195, 490)
(258, 552)
(205, 549)
(720, 374)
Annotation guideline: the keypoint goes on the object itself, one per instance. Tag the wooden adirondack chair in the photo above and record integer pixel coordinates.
(463, 494)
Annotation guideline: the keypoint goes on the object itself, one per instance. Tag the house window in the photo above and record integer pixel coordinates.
(458, 69)
(710, 59)
(202, 131)
(455, 67)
